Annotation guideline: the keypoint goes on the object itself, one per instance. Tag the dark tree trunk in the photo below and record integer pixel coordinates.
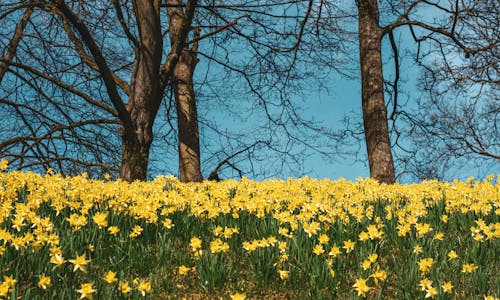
(145, 96)
(187, 119)
(374, 108)
(135, 158)
(185, 102)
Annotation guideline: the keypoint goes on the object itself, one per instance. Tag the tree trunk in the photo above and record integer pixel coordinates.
(144, 96)
(135, 158)
(187, 118)
(372, 80)
(185, 102)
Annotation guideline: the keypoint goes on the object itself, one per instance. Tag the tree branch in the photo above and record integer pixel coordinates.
(214, 175)
(16, 38)
(80, 50)
(396, 76)
(103, 67)
(65, 86)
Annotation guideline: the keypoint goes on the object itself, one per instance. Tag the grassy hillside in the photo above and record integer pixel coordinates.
(70, 238)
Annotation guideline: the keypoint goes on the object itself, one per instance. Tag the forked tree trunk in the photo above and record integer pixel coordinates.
(185, 102)
(144, 96)
(372, 81)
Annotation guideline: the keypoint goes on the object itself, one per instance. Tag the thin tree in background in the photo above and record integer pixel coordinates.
(185, 99)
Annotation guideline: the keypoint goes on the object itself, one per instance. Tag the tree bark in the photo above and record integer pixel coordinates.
(187, 118)
(145, 95)
(185, 101)
(374, 109)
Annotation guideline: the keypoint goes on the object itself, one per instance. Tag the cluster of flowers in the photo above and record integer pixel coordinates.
(305, 204)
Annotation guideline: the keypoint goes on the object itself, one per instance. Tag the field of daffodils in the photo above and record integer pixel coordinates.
(76, 237)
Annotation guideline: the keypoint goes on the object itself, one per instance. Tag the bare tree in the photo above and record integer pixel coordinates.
(82, 72)
(88, 43)
(456, 124)
(439, 29)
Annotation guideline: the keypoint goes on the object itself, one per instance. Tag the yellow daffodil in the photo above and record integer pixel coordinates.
(195, 244)
(349, 246)
(361, 287)
(282, 247)
(318, 249)
(425, 284)
(44, 282)
(168, 224)
(125, 288)
(57, 259)
(366, 264)
(113, 230)
(144, 287)
(100, 219)
(439, 236)
(136, 231)
(417, 249)
(363, 236)
(444, 218)
(110, 277)
(452, 255)
(86, 290)
(334, 251)
(183, 270)
(425, 264)
(283, 274)
(469, 268)
(4, 164)
(422, 229)
(79, 263)
(373, 257)
(431, 292)
(323, 239)
(447, 287)
(379, 275)
(4, 289)
(374, 232)
(9, 280)
(238, 296)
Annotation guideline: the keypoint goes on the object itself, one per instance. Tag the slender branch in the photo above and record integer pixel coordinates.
(396, 77)
(301, 31)
(80, 50)
(16, 38)
(219, 29)
(104, 69)
(121, 19)
(214, 175)
(438, 30)
(66, 86)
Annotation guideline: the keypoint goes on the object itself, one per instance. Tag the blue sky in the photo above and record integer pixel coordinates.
(339, 97)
